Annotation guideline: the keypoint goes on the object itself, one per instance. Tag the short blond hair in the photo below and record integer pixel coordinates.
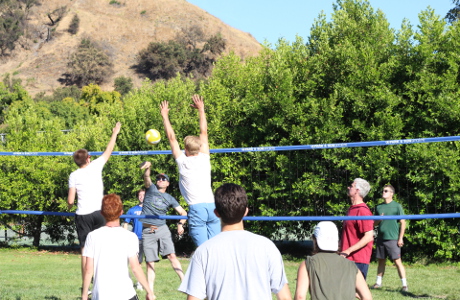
(192, 144)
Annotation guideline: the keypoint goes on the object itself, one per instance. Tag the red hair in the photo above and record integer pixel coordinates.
(112, 207)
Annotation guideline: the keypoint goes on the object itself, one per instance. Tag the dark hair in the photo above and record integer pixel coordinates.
(111, 207)
(231, 203)
(139, 191)
(390, 187)
(80, 156)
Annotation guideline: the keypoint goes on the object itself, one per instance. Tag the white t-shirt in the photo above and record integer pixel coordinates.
(195, 178)
(110, 248)
(90, 189)
(235, 265)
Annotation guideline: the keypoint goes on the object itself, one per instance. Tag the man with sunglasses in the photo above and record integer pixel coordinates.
(86, 184)
(390, 236)
(156, 235)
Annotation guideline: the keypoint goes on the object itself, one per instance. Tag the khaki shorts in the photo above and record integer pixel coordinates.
(158, 241)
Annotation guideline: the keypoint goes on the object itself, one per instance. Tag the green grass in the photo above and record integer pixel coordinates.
(27, 274)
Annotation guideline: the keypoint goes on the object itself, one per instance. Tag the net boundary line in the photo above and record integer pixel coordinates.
(256, 218)
(259, 149)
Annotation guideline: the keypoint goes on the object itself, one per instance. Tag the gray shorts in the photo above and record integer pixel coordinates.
(141, 252)
(389, 247)
(158, 241)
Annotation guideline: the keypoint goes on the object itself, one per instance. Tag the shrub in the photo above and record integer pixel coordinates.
(74, 25)
(123, 85)
(88, 64)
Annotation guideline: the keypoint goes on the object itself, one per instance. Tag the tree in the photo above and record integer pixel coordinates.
(161, 60)
(454, 13)
(123, 85)
(165, 60)
(215, 44)
(11, 25)
(88, 64)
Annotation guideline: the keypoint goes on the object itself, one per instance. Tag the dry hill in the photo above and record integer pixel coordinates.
(123, 29)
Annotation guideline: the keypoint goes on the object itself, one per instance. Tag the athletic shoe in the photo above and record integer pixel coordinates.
(376, 286)
(139, 286)
(404, 289)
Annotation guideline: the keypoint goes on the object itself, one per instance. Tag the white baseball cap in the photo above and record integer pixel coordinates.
(327, 236)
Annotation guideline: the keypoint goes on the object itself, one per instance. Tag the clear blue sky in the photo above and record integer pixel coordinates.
(272, 19)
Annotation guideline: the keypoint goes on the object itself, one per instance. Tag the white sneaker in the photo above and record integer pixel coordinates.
(139, 286)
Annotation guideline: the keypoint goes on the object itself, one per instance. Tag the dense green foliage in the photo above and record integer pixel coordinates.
(354, 79)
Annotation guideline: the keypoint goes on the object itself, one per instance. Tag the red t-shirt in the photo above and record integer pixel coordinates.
(353, 231)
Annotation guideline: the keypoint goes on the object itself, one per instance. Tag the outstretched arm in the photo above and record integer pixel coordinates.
(164, 110)
(113, 139)
(147, 180)
(199, 104)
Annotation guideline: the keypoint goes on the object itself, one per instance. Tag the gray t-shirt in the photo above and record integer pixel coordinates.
(157, 204)
(235, 265)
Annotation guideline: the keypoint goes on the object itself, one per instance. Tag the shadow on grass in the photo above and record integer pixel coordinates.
(409, 294)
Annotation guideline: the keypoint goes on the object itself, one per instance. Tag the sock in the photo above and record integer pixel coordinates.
(379, 280)
(404, 281)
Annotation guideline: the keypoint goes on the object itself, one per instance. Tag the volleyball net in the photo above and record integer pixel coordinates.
(290, 188)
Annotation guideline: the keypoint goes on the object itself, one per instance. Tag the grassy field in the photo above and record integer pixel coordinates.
(31, 275)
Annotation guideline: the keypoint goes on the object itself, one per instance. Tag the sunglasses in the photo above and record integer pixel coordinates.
(161, 179)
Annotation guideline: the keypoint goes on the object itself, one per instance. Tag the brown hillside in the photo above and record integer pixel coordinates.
(123, 30)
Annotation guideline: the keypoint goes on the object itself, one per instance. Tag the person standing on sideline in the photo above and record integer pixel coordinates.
(235, 264)
(358, 235)
(108, 251)
(156, 235)
(326, 274)
(390, 237)
(137, 226)
(195, 175)
(86, 183)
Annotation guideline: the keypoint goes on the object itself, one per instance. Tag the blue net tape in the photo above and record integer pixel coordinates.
(255, 218)
(259, 149)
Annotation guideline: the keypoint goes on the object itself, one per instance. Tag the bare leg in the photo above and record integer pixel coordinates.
(151, 274)
(175, 263)
(381, 267)
(83, 265)
(401, 269)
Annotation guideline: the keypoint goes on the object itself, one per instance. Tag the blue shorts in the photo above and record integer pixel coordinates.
(203, 222)
(363, 268)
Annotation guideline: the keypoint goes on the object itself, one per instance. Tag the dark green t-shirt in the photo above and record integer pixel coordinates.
(389, 229)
